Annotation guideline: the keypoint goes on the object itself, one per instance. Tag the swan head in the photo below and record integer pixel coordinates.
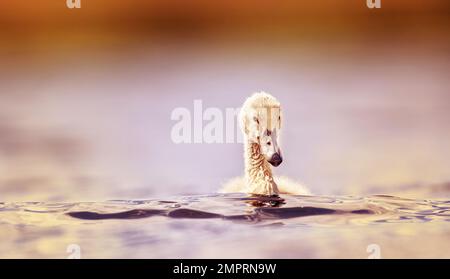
(260, 120)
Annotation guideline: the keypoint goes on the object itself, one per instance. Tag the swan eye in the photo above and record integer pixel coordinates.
(269, 143)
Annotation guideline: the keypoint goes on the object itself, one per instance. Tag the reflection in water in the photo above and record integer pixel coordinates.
(228, 226)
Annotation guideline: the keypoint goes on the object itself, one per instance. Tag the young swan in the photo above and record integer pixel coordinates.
(260, 120)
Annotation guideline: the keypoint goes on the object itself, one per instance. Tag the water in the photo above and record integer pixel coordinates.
(230, 225)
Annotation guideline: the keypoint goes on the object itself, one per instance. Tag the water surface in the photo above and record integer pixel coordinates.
(231, 225)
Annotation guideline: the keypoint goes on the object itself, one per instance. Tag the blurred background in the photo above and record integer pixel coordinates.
(86, 94)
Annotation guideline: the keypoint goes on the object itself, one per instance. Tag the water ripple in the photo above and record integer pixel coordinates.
(243, 209)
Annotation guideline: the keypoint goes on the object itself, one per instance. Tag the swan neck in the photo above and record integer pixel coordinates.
(258, 173)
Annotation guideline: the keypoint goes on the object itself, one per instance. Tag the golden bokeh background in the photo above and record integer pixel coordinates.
(86, 94)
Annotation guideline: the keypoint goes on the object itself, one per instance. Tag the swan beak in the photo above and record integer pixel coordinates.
(276, 160)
